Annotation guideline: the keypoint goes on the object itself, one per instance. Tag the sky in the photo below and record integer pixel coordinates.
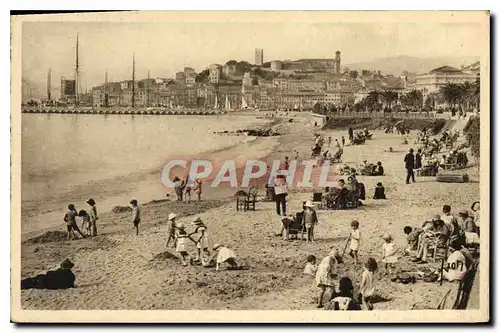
(166, 47)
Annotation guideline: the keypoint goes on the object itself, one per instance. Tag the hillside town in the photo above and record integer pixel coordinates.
(304, 84)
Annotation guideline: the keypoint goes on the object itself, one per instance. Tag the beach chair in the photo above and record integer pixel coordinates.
(317, 198)
(437, 250)
(246, 200)
(296, 227)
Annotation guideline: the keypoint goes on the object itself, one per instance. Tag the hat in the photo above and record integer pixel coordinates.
(67, 264)
(216, 246)
(91, 202)
(334, 253)
(463, 211)
(172, 216)
(133, 202)
(436, 218)
(198, 221)
(386, 236)
(309, 203)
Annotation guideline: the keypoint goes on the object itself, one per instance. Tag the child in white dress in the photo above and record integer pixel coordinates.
(367, 286)
(181, 246)
(389, 256)
(354, 237)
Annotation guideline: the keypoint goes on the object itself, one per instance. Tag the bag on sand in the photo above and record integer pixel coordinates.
(430, 277)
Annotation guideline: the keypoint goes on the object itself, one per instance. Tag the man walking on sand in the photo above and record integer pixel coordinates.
(93, 216)
(410, 165)
(136, 215)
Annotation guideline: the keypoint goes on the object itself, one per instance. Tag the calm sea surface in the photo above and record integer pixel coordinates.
(69, 158)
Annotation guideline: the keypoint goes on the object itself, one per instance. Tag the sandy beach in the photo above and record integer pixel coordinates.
(118, 270)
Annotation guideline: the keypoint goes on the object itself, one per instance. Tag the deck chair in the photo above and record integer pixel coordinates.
(337, 158)
(318, 198)
(438, 251)
(251, 198)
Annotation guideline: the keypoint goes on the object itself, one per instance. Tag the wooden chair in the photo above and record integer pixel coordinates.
(318, 198)
(439, 252)
(251, 198)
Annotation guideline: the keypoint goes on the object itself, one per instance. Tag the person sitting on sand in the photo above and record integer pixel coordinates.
(181, 244)
(326, 274)
(311, 266)
(221, 255)
(171, 229)
(61, 278)
(442, 163)
(468, 226)
(136, 215)
(344, 300)
(389, 253)
(458, 263)
(412, 238)
(378, 170)
(379, 192)
(70, 219)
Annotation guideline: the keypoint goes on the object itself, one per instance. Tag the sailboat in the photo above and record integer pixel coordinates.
(171, 105)
(244, 104)
(216, 106)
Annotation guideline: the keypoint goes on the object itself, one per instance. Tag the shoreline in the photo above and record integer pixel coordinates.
(122, 271)
(134, 179)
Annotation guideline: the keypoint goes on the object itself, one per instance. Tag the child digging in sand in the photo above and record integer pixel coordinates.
(389, 257)
(311, 267)
(325, 276)
(367, 287)
(221, 255)
(354, 238)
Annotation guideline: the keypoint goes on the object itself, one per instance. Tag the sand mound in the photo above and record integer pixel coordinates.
(49, 236)
(121, 209)
(165, 256)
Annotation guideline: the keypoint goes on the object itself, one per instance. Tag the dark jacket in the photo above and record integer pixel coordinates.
(410, 161)
(379, 193)
(418, 161)
(58, 279)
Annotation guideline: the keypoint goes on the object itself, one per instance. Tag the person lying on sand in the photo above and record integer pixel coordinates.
(61, 278)
(221, 255)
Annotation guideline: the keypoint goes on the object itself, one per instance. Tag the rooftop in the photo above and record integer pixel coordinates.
(447, 69)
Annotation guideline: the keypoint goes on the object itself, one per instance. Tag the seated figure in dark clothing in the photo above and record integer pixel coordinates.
(61, 278)
(379, 192)
(378, 170)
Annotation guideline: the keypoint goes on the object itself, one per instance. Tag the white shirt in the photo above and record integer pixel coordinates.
(367, 282)
(447, 219)
(355, 236)
(456, 266)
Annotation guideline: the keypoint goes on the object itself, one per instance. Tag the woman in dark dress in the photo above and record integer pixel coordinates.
(418, 159)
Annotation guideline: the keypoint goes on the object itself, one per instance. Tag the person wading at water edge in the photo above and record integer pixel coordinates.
(70, 219)
(93, 216)
(136, 215)
(410, 165)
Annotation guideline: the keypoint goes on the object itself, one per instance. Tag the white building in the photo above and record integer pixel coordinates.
(439, 77)
(215, 73)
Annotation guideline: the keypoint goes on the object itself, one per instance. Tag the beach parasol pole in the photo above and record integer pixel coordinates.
(345, 247)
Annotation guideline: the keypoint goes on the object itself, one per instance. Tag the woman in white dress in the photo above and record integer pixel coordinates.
(389, 256)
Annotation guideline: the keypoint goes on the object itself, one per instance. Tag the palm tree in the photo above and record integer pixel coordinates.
(389, 97)
(451, 93)
(413, 99)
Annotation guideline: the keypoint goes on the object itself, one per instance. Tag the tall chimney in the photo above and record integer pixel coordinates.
(337, 62)
(49, 81)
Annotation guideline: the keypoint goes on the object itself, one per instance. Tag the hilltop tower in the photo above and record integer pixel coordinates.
(337, 62)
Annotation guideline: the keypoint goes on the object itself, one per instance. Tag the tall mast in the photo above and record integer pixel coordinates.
(147, 91)
(77, 73)
(49, 79)
(133, 80)
(106, 92)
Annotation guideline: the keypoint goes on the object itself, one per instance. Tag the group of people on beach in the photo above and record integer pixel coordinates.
(88, 221)
(183, 189)
(177, 234)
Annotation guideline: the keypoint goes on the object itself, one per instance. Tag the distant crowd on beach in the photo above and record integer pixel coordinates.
(455, 236)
